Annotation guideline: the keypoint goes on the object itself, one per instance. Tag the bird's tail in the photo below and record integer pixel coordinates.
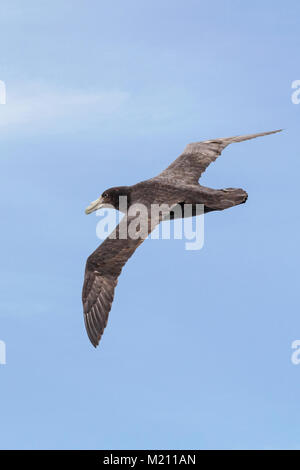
(222, 199)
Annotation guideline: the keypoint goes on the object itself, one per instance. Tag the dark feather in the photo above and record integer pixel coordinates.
(177, 185)
(196, 157)
(103, 267)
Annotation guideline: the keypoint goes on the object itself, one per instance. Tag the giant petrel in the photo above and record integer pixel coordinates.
(175, 186)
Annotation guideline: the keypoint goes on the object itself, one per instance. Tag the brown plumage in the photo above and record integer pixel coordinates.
(177, 184)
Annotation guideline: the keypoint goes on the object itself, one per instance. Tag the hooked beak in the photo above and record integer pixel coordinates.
(95, 205)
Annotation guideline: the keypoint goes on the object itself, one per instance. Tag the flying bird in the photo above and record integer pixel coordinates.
(176, 185)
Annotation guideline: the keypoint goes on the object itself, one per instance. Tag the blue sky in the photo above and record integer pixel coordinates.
(197, 352)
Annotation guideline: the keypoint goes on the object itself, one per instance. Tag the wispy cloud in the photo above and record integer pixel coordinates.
(35, 107)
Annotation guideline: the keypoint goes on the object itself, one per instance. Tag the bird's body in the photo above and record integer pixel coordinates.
(158, 191)
(175, 187)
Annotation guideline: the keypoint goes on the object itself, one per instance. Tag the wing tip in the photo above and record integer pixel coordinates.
(94, 342)
(241, 138)
(271, 132)
(94, 339)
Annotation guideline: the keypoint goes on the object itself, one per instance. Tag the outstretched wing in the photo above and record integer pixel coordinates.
(190, 165)
(103, 267)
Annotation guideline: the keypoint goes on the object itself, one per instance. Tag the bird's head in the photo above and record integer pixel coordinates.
(111, 198)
